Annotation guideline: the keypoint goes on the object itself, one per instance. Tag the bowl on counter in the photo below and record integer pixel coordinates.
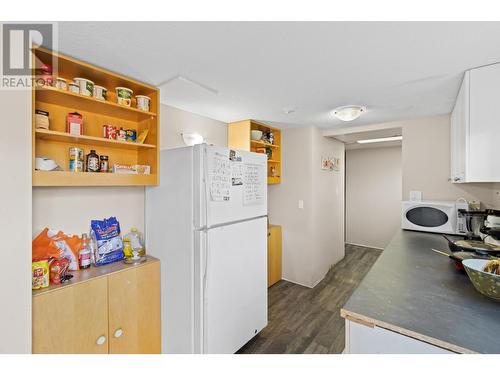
(485, 283)
(256, 135)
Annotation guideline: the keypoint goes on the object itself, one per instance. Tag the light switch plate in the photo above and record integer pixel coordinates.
(301, 204)
(415, 195)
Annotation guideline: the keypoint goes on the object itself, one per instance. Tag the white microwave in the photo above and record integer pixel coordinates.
(434, 216)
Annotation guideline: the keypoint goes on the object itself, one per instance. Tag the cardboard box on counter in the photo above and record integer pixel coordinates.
(131, 169)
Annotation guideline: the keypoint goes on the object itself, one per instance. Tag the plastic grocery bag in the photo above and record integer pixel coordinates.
(106, 243)
(51, 244)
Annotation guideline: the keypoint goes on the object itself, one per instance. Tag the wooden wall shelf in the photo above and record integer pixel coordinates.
(239, 137)
(263, 144)
(64, 178)
(52, 95)
(87, 140)
(55, 142)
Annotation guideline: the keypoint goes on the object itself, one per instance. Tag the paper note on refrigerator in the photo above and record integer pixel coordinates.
(220, 177)
(253, 185)
(237, 173)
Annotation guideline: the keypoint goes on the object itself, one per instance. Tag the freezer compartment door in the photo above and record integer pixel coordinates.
(234, 285)
(233, 186)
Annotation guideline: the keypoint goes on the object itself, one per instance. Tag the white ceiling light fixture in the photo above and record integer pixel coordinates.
(349, 112)
(191, 139)
(385, 139)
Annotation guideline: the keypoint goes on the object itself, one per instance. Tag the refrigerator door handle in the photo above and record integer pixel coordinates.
(206, 186)
(206, 254)
(205, 265)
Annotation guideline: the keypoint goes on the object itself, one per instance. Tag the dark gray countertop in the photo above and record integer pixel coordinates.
(414, 288)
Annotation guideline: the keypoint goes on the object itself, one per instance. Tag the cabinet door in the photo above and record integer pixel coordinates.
(361, 339)
(134, 310)
(72, 320)
(273, 255)
(459, 132)
(484, 130)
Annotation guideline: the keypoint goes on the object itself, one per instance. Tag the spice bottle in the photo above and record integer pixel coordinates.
(84, 253)
(92, 164)
(104, 165)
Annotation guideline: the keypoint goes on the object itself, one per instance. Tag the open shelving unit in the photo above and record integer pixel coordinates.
(239, 137)
(55, 142)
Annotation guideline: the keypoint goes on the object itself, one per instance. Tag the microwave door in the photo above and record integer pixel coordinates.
(430, 218)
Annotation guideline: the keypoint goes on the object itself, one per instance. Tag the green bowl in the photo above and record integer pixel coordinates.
(485, 282)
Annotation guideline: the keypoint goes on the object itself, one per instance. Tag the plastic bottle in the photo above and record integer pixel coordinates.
(84, 258)
(136, 240)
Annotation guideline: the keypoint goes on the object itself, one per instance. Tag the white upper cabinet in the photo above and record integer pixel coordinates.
(459, 125)
(475, 127)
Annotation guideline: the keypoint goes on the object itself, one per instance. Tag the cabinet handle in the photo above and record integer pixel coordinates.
(457, 179)
(101, 340)
(118, 333)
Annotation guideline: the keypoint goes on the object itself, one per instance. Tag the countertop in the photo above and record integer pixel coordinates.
(419, 293)
(93, 272)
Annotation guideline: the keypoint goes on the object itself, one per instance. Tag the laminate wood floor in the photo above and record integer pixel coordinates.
(305, 320)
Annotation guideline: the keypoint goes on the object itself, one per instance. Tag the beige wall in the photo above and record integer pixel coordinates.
(426, 161)
(328, 205)
(426, 164)
(283, 204)
(176, 121)
(313, 237)
(373, 195)
(70, 209)
(15, 222)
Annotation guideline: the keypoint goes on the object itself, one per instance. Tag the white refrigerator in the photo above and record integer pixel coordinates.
(207, 223)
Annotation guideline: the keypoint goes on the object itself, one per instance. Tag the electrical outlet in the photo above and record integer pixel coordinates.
(415, 196)
(301, 204)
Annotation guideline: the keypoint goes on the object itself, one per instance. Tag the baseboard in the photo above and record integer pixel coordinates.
(309, 286)
(296, 282)
(358, 244)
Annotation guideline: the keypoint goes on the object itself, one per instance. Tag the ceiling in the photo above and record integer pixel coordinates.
(231, 71)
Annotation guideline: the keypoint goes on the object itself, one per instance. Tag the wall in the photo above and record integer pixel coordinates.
(15, 221)
(373, 195)
(426, 164)
(176, 121)
(313, 237)
(296, 176)
(71, 208)
(328, 205)
(426, 160)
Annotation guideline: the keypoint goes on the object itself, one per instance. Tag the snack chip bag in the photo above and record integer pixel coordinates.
(58, 269)
(40, 274)
(106, 243)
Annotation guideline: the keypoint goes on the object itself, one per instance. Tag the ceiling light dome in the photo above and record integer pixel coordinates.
(349, 112)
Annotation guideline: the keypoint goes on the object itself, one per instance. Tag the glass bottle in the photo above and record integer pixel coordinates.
(84, 258)
(92, 164)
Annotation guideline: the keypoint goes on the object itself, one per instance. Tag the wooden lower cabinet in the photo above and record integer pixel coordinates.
(109, 309)
(134, 311)
(70, 320)
(273, 254)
